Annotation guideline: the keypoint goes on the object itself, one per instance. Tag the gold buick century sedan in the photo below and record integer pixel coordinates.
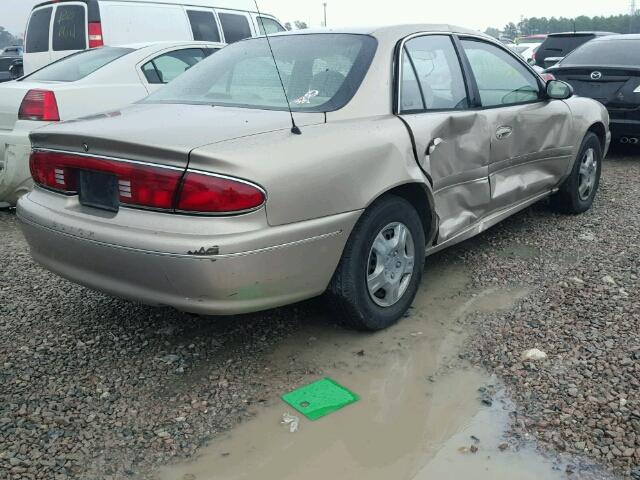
(241, 186)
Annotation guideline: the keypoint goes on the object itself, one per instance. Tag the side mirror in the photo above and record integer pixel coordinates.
(559, 90)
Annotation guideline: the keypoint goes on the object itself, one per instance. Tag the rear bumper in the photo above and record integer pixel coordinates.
(203, 282)
(624, 128)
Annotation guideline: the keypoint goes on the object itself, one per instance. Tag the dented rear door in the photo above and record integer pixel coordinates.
(452, 142)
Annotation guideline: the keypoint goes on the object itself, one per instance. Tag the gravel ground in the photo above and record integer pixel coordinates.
(584, 314)
(95, 387)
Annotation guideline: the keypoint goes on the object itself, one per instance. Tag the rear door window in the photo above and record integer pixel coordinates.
(268, 26)
(69, 28)
(436, 64)
(171, 65)
(38, 31)
(235, 27)
(203, 25)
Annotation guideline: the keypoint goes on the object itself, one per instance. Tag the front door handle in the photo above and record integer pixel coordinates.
(433, 144)
(503, 132)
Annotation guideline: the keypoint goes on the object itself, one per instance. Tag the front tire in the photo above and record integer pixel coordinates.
(577, 192)
(381, 267)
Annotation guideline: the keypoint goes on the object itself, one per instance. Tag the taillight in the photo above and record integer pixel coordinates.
(139, 184)
(547, 77)
(149, 186)
(217, 194)
(39, 105)
(95, 35)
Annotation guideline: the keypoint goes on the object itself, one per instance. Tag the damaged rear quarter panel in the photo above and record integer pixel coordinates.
(332, 168)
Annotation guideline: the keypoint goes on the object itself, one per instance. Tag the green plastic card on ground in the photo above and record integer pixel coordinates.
(320, 398)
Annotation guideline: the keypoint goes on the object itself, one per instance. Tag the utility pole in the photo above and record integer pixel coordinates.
(324, 5)
(633, 12)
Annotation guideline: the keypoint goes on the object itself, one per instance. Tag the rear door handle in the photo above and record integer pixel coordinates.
(433, 144)
(503, 132)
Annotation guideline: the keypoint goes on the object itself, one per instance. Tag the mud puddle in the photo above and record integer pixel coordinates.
(419, 404)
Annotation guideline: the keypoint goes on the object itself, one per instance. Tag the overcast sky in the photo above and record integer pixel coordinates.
(478, 14)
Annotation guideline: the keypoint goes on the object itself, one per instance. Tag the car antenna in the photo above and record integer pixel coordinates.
(294, 128)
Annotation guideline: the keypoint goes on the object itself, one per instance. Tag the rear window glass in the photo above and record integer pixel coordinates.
(69, 28)
(321, 72)
(606, 52)
(204, 26)
(80, 65)
(560, 46)
(269, 26)
(235, 27)
(38, 31)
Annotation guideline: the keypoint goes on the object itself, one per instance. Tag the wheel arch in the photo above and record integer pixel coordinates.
(421, 198)
(600, 131)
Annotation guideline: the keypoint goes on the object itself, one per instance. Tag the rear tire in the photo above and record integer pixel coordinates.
(577, 192)
(381, 267)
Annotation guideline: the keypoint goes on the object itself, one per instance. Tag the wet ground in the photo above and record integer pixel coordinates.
(420, 415)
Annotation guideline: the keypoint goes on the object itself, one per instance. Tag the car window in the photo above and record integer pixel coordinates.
(79, 65)
(204, 26)
(38, 31)
(501, 79)
(235, 27)
(411, 95)
(169, 66)
(435, 62)
(268, 26)
(621, 52)
(69, 28)
(320, 72)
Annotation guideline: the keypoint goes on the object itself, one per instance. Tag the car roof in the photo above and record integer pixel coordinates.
(571, 34)
(168, 44)
(628, 36)
(389, 31)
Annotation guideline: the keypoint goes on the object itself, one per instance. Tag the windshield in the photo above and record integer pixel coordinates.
(605, 52)
(320, 72)
(79, 65)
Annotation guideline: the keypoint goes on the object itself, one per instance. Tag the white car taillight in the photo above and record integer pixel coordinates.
(637, 90)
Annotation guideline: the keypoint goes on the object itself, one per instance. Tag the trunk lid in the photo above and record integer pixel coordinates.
(613, 87)
(162, 133)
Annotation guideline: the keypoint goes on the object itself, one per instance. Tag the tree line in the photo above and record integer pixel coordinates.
(537, 25)
(6, 39)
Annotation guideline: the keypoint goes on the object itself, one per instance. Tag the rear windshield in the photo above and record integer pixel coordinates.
(321, 72)
(606, 52)
(562, 45)
(38, 31)
(78, 66)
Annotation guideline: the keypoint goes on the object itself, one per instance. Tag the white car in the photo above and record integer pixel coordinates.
(527, 51)
(57, 28)
(82, 84)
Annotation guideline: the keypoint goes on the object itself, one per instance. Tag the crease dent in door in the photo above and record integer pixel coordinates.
(459, 166)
